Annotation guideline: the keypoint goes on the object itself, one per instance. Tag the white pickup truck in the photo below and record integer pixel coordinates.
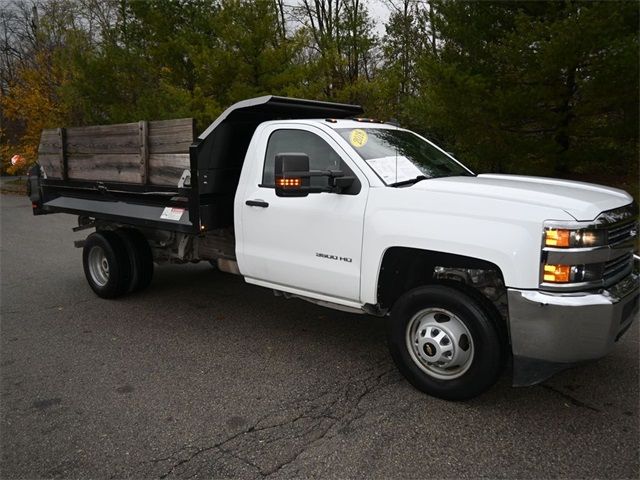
(303, 198)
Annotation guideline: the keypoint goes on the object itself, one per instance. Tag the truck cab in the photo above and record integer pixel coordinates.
(471, 271)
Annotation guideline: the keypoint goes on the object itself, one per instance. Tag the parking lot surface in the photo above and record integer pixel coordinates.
(205, 376)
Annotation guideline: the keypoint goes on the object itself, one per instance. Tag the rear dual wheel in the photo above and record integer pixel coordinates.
(140, 258)
(117, 262)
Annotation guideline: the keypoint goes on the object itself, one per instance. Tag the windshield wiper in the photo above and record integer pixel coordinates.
(411, 181)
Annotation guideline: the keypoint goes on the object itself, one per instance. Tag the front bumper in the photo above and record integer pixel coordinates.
(550, 331)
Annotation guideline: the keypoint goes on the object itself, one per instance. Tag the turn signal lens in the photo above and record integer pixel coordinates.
(288, 182)
(557, 273)
(557, 238)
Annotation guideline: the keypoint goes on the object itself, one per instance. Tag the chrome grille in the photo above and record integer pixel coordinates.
(617, 268)
(619, 233)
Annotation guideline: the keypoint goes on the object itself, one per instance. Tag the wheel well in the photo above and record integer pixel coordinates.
(406, 268)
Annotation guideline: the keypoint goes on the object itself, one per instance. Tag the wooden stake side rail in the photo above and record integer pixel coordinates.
(147, 153)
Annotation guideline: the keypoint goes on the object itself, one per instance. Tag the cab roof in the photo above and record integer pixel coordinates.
(352, 123)
(271, 107)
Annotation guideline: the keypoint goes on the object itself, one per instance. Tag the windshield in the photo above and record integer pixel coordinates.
(400, 156)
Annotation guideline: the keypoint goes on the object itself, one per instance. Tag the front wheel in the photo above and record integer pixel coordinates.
(446, 342)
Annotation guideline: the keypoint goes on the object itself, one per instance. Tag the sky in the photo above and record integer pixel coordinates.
(379, 10)
(380, 13)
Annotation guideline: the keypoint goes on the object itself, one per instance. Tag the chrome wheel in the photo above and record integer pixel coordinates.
(98, 266)
(439, 343)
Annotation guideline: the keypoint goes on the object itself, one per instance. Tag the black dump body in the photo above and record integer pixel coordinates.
(138, 183)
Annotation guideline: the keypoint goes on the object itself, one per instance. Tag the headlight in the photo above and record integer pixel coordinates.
(584, 255)
(565, 238)
(572, 273)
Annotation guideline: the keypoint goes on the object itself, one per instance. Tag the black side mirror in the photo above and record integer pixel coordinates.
(292, 174)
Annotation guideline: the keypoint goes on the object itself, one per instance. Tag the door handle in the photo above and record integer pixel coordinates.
(257, 203)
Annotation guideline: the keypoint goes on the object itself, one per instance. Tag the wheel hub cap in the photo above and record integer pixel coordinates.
(440, 343)
(98, 266)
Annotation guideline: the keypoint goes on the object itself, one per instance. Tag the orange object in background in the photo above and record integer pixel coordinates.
(18, 161)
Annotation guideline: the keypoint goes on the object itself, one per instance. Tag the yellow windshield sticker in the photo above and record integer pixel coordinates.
(358, 138)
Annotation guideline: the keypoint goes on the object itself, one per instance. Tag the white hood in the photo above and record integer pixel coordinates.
(583, 201)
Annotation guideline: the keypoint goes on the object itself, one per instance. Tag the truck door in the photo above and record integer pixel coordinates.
(311, 244)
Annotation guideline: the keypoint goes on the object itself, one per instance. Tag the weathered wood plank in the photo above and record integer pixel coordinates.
(110, 144)
(179, 135)
(169, 159)
(142, 152)
(98, 130)
(49, 151)
(143, 140)
(171, 136)
(49, 158)
(178, 125)
(120, 168)
(48, 133)
(49, 141)
(184, 136)
(167, 145)
(125, 176)
(89, 161)
(165, 176)
(166, 169)
(50, 162)
(62, 154)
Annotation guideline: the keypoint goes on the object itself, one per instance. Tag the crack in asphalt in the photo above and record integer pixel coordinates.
(368, 389)
(313, 421)
(198, 452)
(574, 401)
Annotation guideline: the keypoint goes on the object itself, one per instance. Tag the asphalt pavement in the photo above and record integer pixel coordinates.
(205, 376)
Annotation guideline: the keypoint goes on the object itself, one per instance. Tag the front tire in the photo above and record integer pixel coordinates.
(446, 342)
(106, 264)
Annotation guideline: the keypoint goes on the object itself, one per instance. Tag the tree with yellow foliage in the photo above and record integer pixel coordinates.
(32, 103)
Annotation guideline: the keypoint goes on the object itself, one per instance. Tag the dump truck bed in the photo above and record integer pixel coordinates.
(158, 174)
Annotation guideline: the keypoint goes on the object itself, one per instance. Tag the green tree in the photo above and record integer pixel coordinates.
(37, 43)
(529, 86)
(515, 86)
(403, 44)
(341, 47)
(188, 58)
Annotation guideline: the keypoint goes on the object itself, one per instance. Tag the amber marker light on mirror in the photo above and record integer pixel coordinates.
(557, 273)
(288, 182)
